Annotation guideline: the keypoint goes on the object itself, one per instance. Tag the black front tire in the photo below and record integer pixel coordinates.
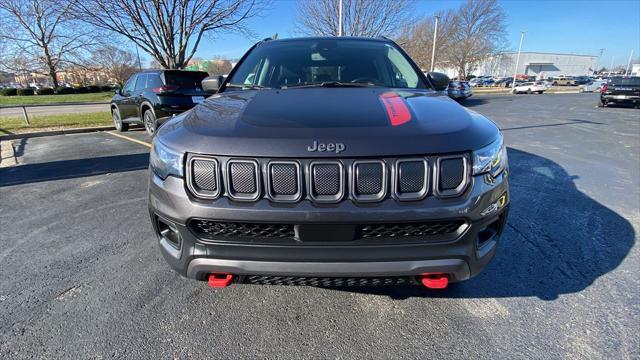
(117, 121)
(150, 123)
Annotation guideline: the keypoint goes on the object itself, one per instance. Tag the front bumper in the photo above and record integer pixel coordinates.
(461, 257)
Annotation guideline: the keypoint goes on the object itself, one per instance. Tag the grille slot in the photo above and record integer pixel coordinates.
(327, 181)
(410, 229)
(328, 281)
(203, 176)
(451, 176)
(411, 179)
(369, 180)
(243, 180)
(283, 181)
(212, 230)
(451, 173)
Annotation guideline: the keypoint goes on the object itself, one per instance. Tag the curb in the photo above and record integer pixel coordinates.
(7, 154)
(55, 104)
(56, 132)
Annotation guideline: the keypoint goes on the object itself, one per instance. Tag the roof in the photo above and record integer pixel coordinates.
(320, 38)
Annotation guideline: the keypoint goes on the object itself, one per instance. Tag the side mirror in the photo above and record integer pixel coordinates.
(439, 81)
(212, 83)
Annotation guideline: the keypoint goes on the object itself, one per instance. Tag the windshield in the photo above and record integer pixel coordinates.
(302, 63)
(184, 79)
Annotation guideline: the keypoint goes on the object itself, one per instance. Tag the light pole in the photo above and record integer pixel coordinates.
(433, 50)
(626, 71)
(340, 19)
(138, 54)
(611, 67)
(515, 72)
(598, 61)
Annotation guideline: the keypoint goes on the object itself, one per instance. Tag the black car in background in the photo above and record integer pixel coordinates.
(149, 97)
(459, 90)
(620, 90)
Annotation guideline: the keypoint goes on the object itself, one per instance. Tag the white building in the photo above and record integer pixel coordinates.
(541, 65)
(635, 69)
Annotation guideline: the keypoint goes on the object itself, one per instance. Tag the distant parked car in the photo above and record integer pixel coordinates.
(459, 90)
(595, 86)
(150, 97)
(582, 80)
(530, 88)
(564, 81)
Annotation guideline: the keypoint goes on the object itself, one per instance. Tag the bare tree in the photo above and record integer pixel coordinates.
(417, 39)
(219, 66)
(41, 36)
(119, 64)
(480, 34)
(368, 18)
(168, 30)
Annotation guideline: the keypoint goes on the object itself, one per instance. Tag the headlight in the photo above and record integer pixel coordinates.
(165, 161)
(490, 159)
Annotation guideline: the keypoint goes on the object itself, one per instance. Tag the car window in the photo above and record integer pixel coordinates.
(141, 82)
(154, 81)
(128, 86)
(308, 62)
(184, 79)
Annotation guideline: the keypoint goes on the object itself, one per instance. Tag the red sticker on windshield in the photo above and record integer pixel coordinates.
(397, 109)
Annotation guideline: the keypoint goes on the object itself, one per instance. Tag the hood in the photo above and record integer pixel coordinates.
(327, 122)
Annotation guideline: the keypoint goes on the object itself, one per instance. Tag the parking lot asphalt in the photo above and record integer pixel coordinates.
(81, 275)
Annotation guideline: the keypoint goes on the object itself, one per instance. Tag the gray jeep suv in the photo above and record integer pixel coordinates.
(328, 161)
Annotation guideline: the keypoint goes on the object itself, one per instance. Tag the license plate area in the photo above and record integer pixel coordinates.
(197, 99)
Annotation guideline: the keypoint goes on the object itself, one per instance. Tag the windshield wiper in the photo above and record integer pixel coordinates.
(329, 84)
(248, 86)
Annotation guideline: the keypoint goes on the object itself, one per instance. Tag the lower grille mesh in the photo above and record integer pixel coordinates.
(208, 229)
(410, 229)
(327, 281)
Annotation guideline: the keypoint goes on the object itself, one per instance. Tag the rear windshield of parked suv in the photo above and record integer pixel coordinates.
(633, 81)
(289, 64)
(184, 79)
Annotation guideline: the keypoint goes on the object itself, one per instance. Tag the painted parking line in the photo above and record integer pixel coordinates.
(130, 139)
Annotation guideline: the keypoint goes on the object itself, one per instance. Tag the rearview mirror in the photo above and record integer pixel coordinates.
(438, 81)
(212, 83)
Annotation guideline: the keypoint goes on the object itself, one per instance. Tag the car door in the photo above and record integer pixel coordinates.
(137, 95)
(127, 110)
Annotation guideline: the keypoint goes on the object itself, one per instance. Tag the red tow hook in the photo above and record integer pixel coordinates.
(434, 280)
(220, 280)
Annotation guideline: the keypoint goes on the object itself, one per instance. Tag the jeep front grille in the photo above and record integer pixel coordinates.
(327, 181)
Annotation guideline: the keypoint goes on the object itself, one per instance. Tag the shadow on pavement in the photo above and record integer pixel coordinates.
(572, 122)
(68, 169)
(473, 101)
(558, 240)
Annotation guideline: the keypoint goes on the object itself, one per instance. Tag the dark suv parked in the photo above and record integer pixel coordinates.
(149, 97)
(328, 161)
